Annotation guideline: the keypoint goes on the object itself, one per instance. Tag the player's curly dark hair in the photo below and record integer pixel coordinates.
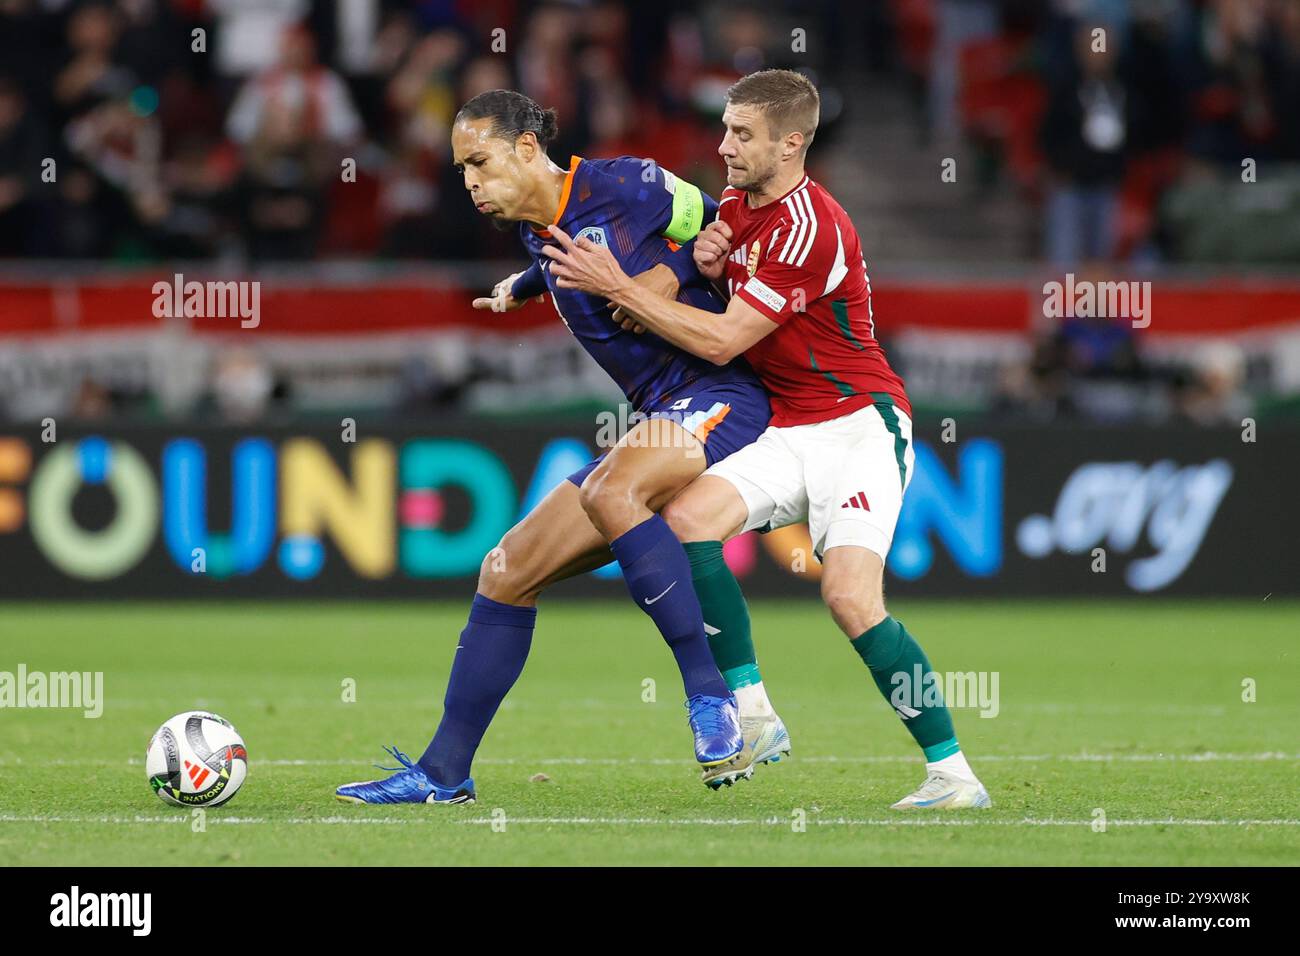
(512, 114)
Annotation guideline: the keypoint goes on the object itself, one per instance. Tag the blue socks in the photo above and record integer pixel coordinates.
(658, 574)
(489, 659)
(495, 643)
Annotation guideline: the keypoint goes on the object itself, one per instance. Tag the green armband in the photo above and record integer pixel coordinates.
(688, 213)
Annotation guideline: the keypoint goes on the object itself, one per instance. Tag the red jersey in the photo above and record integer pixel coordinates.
(798, 261)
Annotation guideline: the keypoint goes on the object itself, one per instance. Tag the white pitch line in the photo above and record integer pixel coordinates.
(440, 818)
(902, 821)
(1208, 756)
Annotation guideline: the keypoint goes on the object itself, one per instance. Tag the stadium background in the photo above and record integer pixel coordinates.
(980, 146)
(372, 436)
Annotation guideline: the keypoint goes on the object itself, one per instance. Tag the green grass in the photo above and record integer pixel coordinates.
(1134, 708)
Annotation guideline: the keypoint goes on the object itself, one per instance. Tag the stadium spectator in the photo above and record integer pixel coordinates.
(292, 121)
(248, 33)
(1232, 109)
(297, 97)
(243, 386)
(89, 74)
(956, 23)
(22, 149)
(123, 149)
(1215, 393)
(1084, 138)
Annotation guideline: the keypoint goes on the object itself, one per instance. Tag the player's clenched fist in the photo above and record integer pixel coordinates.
(712, 247)
(501, 300)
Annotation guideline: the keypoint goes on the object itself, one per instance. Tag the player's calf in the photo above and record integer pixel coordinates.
(852, 586)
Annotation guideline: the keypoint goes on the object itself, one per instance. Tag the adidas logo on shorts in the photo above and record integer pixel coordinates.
(858, 501)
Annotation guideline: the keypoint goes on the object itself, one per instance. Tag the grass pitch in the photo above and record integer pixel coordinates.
(1133, 710)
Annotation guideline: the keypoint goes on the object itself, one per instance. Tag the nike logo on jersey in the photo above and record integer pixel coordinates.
(649, 601)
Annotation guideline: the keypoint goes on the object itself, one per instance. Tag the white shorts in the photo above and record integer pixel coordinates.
(844, 477)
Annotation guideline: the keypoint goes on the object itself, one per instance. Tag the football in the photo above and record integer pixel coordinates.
(196, 759)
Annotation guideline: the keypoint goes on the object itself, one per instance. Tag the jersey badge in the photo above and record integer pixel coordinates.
(595, 233)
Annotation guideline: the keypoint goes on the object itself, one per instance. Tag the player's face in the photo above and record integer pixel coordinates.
(747, 148)
(495, 173)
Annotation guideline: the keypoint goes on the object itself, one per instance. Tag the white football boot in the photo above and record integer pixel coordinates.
(766, 741)
(946, 791)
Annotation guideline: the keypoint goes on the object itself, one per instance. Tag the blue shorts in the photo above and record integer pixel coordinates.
(725, 417)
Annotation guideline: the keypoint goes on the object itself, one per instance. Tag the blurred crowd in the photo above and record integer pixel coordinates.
(289, 129)
(1126, 122)
(1092, 369)
(137, 129)
(1139, 131)
(249, 131)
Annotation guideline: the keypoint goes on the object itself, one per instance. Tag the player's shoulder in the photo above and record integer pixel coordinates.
(825, 210)
(622, 170)
(625, 180)
(810, 201)
(803, 227)
(820, 222)
(823, 202)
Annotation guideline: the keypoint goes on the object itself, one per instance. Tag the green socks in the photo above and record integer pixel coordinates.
(726, 616)
(896, 661)
(899, 667)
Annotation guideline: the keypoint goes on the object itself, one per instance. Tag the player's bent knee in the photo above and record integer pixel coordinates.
(685, 521)
(606, 496)
(504, 580)
(589, 492)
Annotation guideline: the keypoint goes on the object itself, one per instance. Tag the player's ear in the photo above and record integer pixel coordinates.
(793, 144)
(527, 147)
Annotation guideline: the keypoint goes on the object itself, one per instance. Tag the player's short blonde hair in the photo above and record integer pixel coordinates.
(787, 99)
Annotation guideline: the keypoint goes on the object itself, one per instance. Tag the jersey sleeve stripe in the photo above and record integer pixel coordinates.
(794, 229)
(811, 213)
(797, 201)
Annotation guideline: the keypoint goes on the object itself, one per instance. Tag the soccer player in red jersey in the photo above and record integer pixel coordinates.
(838, 453)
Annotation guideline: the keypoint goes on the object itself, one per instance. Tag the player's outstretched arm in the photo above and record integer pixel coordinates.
(502, 298)
(594, 270)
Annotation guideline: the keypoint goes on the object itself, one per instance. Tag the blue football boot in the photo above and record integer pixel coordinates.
(716, 724)
(409, 784)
